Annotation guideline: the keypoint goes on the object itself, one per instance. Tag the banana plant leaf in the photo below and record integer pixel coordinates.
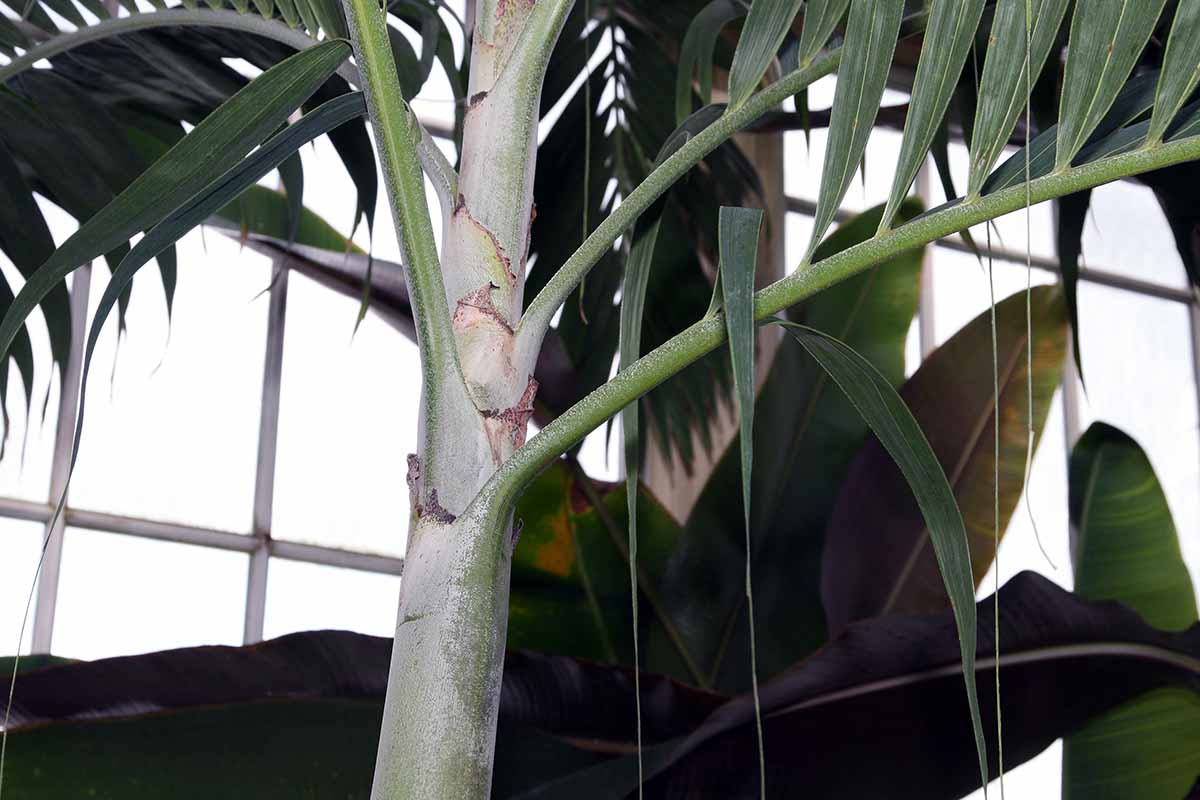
(570, 574)
(1126, 549)
(805, 438)
(878, 558)
(299, 716)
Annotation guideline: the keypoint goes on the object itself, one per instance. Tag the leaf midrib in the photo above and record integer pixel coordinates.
(1035, 655)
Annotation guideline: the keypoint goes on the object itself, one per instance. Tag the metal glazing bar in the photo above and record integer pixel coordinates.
(800, 206)
(1194, 318)
(203, 537)
(332, 557)
(268, 439)
(925, 307)
(60, 468)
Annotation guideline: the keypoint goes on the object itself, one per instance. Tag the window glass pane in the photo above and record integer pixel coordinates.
(1009, 231)
(797, 232)
(805, 160)
(1039, 778)
(1137, 361)
(803, 165)
(1127, 233)
(172, 434)
(435, 102)
(601, 454)
(20, 546)
(348, 419)
(803, 179)
(912, 347)
(309, 597)
(338, 198)
(120, 594)
(961, 291)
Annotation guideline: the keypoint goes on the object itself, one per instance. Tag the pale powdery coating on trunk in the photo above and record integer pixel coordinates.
(454, 593)
(443, 696)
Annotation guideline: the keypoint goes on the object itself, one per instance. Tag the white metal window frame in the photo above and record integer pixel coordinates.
(261, 546)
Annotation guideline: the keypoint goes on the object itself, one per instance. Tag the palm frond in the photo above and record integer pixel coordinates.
(119, 91)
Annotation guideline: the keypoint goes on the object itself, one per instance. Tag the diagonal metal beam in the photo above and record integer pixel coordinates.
(268, 440)
(60, 468)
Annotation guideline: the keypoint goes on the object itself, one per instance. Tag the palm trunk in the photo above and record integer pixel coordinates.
(443, 695)
(439, 723)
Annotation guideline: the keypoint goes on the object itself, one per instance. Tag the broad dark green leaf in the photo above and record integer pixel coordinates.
(570, 574)
(1125, 543)
(209, 722)
(299, 716)
(879, 713)
(1143, 750)
(1107, 36)
(431, 29)
(562, 597)
(30, 662)
(766, 25)
(214, 145)
(948, 37)
(1126, 548)
(1180, 70)
(893, 423)
(952, 398)
(866, 59)
(696, 53)
(805, 436)
(820, 18)
(1004, 86)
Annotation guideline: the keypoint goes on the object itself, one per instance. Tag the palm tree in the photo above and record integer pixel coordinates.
(100, 132)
